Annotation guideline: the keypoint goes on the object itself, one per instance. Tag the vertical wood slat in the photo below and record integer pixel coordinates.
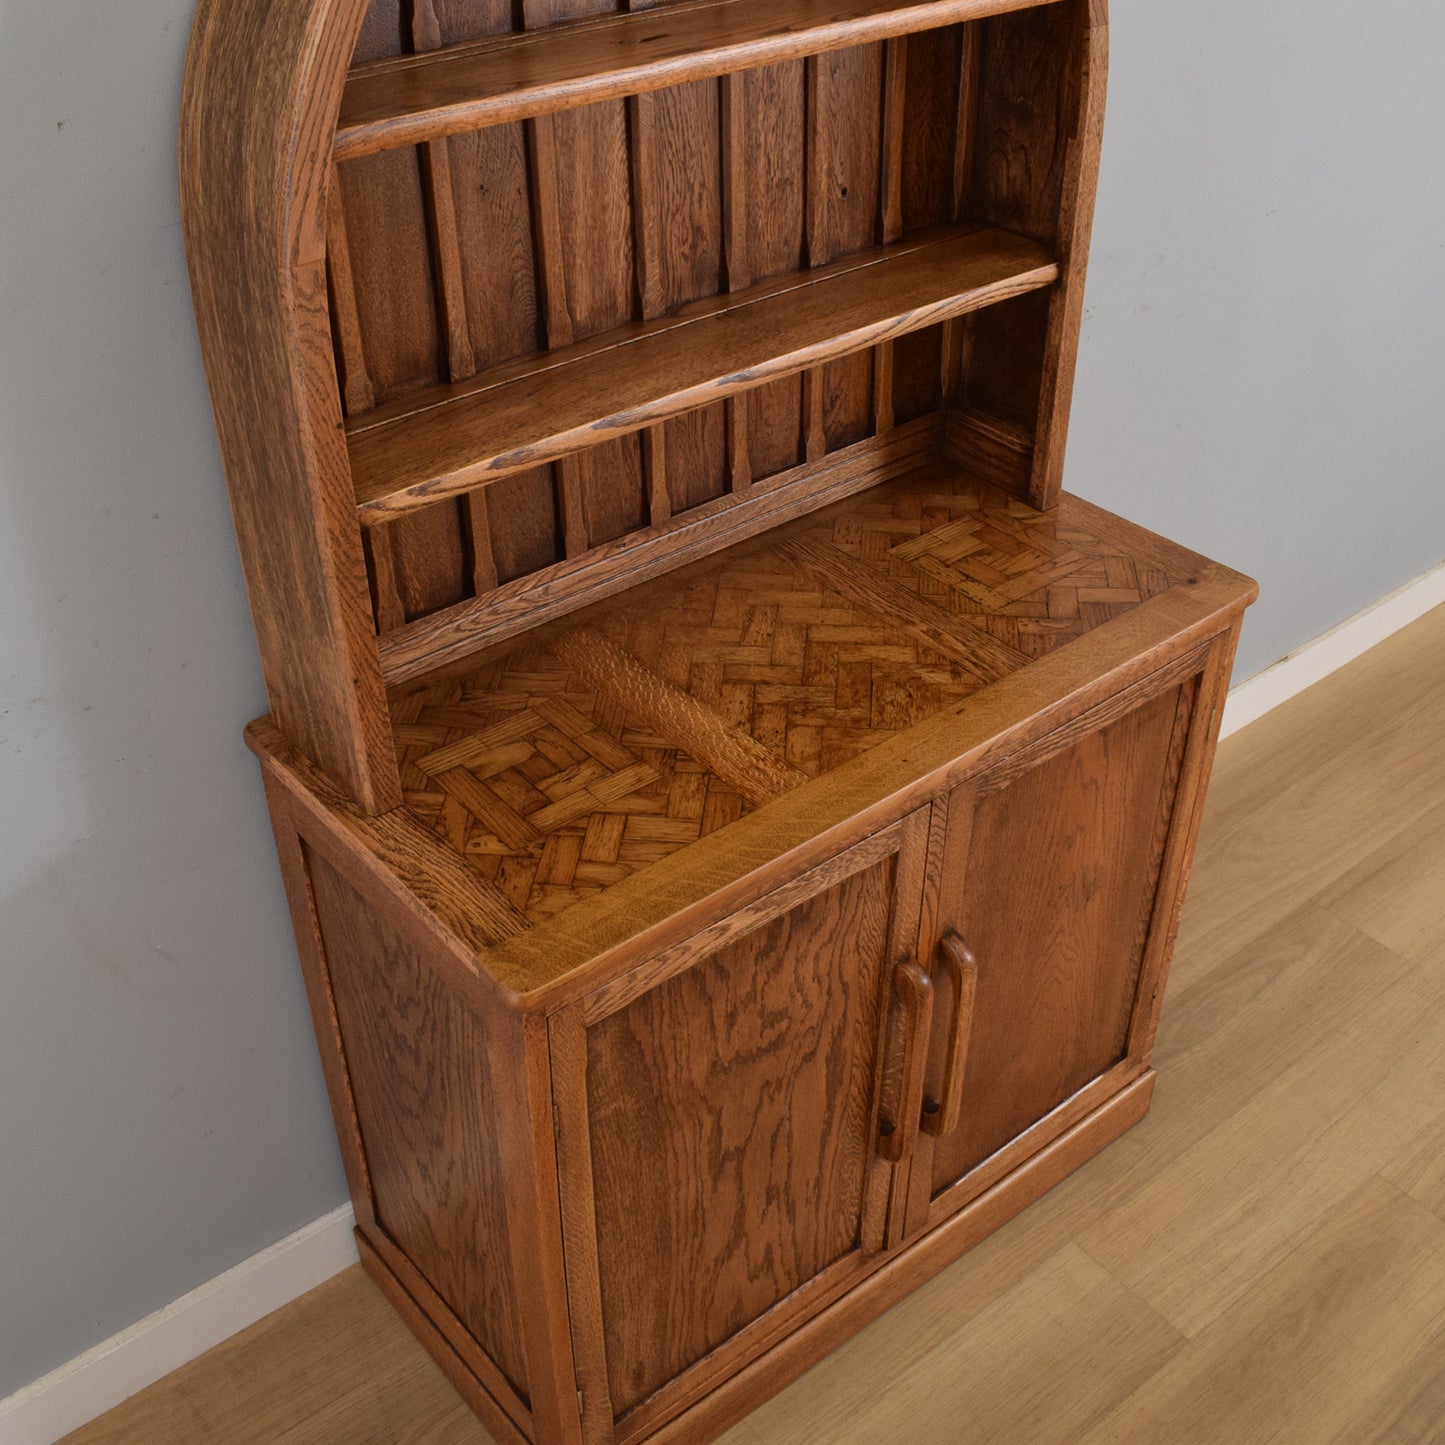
(547, 225)
(484, 556)
(732, 112)
(359, 395)
(574, 516)
(541, 139)
(386, 586)
(895, 66)
(965, 145)
(647, 241)
(426, 34)
(357, 389)
(647, 258)
(816, 239)
(654, 471)
(436, 164)
(890, 206)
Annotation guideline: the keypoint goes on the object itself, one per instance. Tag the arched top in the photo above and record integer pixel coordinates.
(262, 92)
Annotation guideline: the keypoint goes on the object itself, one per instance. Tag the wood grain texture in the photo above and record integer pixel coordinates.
(403, 103)
(295, 875)
(736, 1084)
(428, 1128)
(859, 758)
(358, 393)
(553, 591)
(998, 451)
(661, 368)
(1033, 168)
(1084, 834)
(1075, 227)
(442, 218)
(500, 1427)
(425, 880)
(904, 1271)
(432, 1319)
(559, 770)
(568, 1042)
(273, 98)
(887, 842)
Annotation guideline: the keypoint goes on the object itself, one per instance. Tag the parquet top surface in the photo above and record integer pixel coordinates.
(646, 723)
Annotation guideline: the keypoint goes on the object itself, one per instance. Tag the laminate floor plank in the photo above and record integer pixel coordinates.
(1397, 893)
(1411, 1412)
(1314, 1346)
(1281, 826)
(1261, 1259)
(1026, 1368)
(1373, 699)
(336, 1366)
(1194, 1239)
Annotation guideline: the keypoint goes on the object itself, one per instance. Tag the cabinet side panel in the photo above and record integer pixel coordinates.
(730, 1112)
(1060, 878)
(418, 1061)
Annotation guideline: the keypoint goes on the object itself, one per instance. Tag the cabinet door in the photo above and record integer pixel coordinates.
(1052, 866)
(725, 1168)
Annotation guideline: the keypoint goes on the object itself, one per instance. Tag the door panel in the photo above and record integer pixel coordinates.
(732, 1115)
(1050, 877)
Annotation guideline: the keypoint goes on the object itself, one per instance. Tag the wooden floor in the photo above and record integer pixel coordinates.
(1263, 1259)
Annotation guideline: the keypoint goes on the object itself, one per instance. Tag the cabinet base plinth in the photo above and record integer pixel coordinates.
(818, 1337)
(416, 1319)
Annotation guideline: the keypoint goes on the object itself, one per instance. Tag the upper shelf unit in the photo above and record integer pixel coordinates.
(574, 292)
(414, 98)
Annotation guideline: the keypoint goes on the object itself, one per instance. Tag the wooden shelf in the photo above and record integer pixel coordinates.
(451, 439)
(416, 98)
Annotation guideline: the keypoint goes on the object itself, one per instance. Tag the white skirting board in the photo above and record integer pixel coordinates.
(1315, 661)
(117, 1368)
(101, 1378)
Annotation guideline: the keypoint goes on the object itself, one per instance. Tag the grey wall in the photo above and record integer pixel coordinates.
(1263, 366)
(1262, 378)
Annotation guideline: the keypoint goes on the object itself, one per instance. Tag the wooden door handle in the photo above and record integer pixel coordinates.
(941, 1116)
(914, 990)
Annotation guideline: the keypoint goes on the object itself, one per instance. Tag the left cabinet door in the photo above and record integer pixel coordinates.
(724, 1138)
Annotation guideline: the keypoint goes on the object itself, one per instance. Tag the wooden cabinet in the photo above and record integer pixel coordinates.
(734, 804)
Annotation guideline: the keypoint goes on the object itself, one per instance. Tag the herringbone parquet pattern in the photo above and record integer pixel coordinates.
(566, 766)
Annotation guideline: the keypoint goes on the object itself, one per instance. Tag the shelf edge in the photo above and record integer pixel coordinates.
(395, 129)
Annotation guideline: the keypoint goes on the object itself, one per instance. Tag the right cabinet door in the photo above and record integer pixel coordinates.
(1053, 880)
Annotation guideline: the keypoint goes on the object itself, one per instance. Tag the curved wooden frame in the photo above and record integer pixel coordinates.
(262, 92)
